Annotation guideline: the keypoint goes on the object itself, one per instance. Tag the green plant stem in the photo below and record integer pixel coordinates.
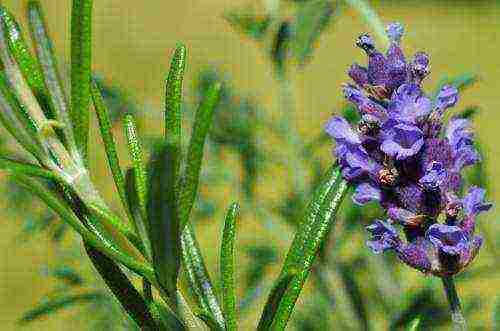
(371, 18)
(457, 317)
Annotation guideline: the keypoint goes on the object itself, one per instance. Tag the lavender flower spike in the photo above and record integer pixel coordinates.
(403, 156)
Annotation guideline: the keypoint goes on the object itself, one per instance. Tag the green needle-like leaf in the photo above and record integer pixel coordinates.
(307, 241)
(273, 301)
(119, 284)
(105, 127)
(199, 278)
(27, 63)
(17, 167)
(64, 211)
(48, 63)
(173, 115)
(163, 219)
(81, 57)
(227, 268)
(53, 305)
(135, 151)
(202, 122)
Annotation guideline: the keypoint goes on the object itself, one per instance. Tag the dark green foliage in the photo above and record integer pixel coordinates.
(54, 305)
(249, 24)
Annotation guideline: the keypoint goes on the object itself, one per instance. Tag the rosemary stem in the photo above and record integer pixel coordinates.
(457, 317)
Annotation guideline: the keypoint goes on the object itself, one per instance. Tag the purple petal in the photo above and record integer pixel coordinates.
(403, 141)
(340, 130)
(358, 74)
(403, 216)
(465, 156)
(447, 97)
(383, 237)
(416, 255)
(435, 175)
(395, 31)
(408, 103)
(474, 202)
(459, 133)
(364, 104)
(365, 193)
(449, 239)
(419, 67)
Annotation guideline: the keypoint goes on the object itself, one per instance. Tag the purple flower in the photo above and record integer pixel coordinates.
(459, 134)
(408, 104)
(449, 239)
(365, 193)
(434, 176)
(403, 141)
(446, 98)
(474, 202)
(340, 130)
(384, 237)
(400, 155)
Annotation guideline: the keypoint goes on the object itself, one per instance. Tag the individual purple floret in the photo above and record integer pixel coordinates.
(404, 156)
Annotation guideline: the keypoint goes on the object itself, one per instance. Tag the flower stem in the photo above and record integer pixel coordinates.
(457, 317)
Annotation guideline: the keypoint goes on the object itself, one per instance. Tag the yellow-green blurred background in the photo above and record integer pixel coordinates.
(132, 44)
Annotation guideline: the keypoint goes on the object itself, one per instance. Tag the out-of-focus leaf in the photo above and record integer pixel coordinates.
(424, 305)
(53, 305)
(68, 275)
(469, 112)
(280, 50)
(117, 100)
(461, 82)
(308, 240)
(199, 278)
(262, 257)
(164, 230)
(81, 59)
(496, 314)
(227, 268)
(190, 180)
(312, 18)
(414, 324)
(249, 24)
(119, 284)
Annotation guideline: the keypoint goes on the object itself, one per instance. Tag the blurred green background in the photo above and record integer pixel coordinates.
(133, 41)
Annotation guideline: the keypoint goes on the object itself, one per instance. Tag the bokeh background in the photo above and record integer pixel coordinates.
(350, 288)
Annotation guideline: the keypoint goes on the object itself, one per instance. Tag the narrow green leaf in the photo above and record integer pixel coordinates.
(173, 112)
(496, 314)
(163, 219)
(64, 211)
(248, 24)
(199, 279)
(17, 167)
(81, 60)
(202, 122)
(48, 63)
(312, 19)
(414, 324)
(227, 267)
(68, 275)
(275, 297)
(308, 240)
(135, 151)
(137, 215)
(27, 63)
(121, 287)
(54, 305)
(11, 123)
(109, 143)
